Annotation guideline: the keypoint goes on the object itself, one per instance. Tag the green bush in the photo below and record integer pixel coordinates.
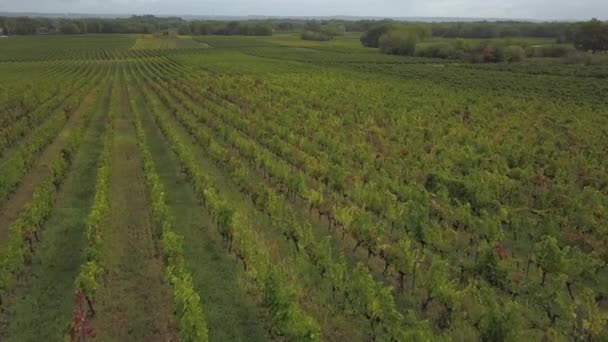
(551, 50)
(69, 28)
(319, 36)
(515, 53)
(493, 54)
(398, 43)
(577, 58)
(371, 38)
(439, 50)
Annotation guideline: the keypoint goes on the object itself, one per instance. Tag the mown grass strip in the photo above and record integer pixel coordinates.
(87, 281)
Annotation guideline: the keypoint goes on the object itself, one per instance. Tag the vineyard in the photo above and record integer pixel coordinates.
(176, 188)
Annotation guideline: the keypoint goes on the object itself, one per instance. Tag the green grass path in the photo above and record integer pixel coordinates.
(134, 301)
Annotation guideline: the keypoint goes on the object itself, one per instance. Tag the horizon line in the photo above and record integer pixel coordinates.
(281, 16)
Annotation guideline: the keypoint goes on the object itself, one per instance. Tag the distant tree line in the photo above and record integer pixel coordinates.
(585, 36)
(244, 28)
(414, 40)
(134, 24)
(500, 29)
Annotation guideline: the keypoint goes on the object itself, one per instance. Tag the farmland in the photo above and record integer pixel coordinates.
(232, 188)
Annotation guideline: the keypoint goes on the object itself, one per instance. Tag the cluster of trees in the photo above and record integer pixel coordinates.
(243, 28)
(404, 39)
(500, 29)
(316, 30)
(134, 24)
(396, 39)
(485, 51)
(589, 36)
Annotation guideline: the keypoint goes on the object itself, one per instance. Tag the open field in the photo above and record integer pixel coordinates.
(232, 188)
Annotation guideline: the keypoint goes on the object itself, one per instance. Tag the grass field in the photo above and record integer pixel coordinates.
(231, 188)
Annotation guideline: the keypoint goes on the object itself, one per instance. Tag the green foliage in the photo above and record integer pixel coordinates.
(490, 268)
(444, 50)
(371, 38)
(375, 302)
(549, 256)
(501, 323)
(424, 164)
(23, 232)
(287, 318)
(189, 312)
(395, 39)
(551, 50)
(69, 28)
(88, 279)
(591, 36)
(322, 32)
(515, 53)
(398, 42)
(319, 36)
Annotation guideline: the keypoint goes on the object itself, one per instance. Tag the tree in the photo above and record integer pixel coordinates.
(591, 36)
(371, 38)
(398, 43)
(184, 30)
(69, 28)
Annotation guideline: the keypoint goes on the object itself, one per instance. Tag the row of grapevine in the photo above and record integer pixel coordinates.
(166, 43)
(15, 166)
(177, 47)
(25, 114)
(25, 94)
(23, 233)
(356, 287)
(25, 73)
(287, 318)
(187, 302)
(389, 254)
(88, 279)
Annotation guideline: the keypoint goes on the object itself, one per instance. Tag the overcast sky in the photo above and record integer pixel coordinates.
(519, 9)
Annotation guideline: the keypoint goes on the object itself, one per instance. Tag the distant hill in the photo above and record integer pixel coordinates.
(264, 17)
